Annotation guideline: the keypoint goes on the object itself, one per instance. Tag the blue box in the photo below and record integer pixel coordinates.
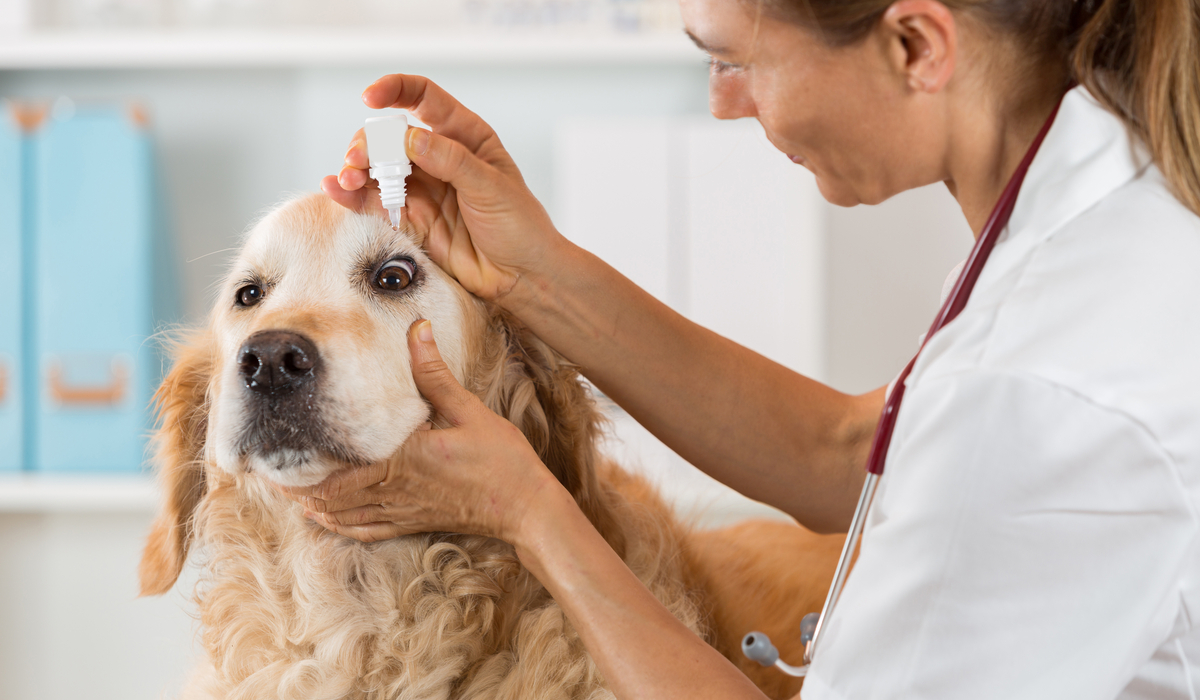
(92, 221)
(11, 368)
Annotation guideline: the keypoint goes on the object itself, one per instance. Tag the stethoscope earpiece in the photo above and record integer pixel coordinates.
(758, 647)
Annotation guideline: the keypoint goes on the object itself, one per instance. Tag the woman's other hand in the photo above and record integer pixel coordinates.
(479, 476)
(465, 196)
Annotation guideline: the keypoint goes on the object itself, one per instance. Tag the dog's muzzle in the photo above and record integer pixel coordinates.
(281, 373)
(283, 428)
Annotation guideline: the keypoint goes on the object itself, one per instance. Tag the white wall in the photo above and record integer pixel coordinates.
(885, 269)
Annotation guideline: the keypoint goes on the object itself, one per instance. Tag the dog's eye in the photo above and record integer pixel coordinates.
(249, 295)
(396, 275)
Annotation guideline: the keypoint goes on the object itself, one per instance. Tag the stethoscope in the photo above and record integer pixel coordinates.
(756, 645)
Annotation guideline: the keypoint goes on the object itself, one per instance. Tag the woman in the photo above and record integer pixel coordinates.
(1035, 534)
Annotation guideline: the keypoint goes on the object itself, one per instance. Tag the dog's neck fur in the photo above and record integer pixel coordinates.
(521, 378)
(280, 590)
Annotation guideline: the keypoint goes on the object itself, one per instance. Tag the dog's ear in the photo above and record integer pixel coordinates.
(182, 404)
(539, 391)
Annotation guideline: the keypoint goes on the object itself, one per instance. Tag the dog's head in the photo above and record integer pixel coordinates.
(304, 369)
(309, 332)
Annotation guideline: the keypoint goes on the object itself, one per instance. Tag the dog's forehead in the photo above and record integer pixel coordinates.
(315, 231)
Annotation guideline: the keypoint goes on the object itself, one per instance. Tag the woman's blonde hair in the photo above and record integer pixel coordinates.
(1140, 58)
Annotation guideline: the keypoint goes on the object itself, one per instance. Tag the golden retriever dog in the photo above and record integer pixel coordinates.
(302, 370)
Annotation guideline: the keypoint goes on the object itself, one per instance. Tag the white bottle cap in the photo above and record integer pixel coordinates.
(389, 161)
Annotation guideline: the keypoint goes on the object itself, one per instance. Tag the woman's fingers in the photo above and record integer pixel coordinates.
(451, 162)
(352, 178)
(351, 199)
(364, 200)
(432, 105)
(365, 497)
(356, 155)
(430, 186)
(433, 377)
(427, 203)
(363, 515)
(372, 532)
(341, 489)
(353, 174)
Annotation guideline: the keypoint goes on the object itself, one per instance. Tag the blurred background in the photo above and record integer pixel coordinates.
(141, 137)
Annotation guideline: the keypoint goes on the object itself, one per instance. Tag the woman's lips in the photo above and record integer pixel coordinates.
(798, 160)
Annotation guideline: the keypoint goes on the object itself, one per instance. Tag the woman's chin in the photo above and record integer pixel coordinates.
(837, 194)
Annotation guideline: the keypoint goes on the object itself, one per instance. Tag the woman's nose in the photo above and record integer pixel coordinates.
(730, 100)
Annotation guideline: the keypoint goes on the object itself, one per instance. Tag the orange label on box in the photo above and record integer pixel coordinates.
(68, 394)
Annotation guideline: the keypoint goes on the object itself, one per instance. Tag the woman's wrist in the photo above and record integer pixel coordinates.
(535, 292)
(546, 515)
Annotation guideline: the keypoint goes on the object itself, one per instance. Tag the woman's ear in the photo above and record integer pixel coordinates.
(182, 404)
(923, 37)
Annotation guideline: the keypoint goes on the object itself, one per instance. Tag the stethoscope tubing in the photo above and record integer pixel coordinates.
(843, 566)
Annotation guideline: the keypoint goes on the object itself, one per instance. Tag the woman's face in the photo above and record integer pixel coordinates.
(844, 113)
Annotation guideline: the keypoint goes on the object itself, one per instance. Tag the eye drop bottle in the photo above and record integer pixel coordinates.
(389, 161)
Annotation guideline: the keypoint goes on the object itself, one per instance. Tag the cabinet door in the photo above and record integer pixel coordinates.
(92, 221)
(622, 211)
(707, 216)
(756, 253)
(11, 425)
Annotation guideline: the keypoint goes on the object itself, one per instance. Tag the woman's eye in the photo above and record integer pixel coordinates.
(720, 67)
(396, 275)
(717, 66)
(249, 295)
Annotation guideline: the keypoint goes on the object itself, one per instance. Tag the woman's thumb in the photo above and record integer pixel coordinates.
(449, 161)
(434, 379)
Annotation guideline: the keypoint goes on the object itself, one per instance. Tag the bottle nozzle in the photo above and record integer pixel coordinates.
(394, 215)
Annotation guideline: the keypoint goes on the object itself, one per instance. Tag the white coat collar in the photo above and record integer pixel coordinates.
(1087, 154)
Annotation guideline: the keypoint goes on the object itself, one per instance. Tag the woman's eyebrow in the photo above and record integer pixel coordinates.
(705, 47)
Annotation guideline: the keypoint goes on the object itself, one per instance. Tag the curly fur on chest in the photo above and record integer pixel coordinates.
(290, 610)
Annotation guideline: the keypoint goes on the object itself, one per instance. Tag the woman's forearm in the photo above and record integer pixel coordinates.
(751, 423)
(641, 649)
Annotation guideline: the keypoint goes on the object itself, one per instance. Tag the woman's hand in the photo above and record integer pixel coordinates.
(479, 476)
(465, 196)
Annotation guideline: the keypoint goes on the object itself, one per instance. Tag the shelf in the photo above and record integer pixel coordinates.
(248, 48)
(77, 493)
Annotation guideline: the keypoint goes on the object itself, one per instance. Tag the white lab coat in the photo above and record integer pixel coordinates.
(1035, 532)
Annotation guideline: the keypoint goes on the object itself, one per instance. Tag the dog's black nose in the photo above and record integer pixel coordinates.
(277, 361)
